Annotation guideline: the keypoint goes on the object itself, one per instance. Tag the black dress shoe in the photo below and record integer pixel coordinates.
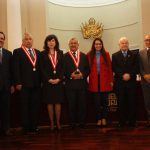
(58, 128)
(82, 126)
(132, 125)
(148, 124)
(98, 126)
(121, 125)
(34, 130)
(104, 126)
(8, 133)
(72, 126)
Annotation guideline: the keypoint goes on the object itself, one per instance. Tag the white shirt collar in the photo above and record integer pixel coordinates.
(124, 51)
(29, 49)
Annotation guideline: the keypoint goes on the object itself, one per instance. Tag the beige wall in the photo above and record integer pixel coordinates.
(14, 33)
(33, 20)
(39, 17)
(121, 19)
(3, 18)
(145, 19)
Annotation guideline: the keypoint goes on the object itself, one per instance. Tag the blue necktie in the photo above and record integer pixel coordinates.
(125, 54)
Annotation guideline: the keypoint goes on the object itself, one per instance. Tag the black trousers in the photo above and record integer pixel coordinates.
(146, 94)
(127, 102)
(101, 104)
(4, 110)
(77, 105)
(30, 105)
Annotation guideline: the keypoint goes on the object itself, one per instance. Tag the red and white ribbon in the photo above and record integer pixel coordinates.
(33, 62)
(77, 60)
(53, 60)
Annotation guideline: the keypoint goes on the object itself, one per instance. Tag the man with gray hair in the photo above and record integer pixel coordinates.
(125, 68)
(27, 81)
(144, 60)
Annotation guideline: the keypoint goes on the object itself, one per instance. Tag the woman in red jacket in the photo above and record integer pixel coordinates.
(100, 79)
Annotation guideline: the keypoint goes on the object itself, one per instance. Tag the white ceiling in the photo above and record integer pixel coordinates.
(84, 3)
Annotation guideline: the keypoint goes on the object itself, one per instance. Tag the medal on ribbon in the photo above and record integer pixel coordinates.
(33, 62)
(76, 60)
(53, 60)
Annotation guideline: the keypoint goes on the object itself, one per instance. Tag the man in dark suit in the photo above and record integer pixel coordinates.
(125, 68)
(145, 74)
(28, 81)
(76, 72)
(5, 86)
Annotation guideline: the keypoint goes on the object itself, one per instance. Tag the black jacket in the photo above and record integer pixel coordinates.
(23, 69)
(70, 67)
(6, 70)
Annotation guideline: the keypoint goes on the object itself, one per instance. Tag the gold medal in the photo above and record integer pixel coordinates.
(54, 71)
(77, 70)
(34, 69)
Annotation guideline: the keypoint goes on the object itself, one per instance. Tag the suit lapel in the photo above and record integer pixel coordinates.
(3, 55)
(121, 56)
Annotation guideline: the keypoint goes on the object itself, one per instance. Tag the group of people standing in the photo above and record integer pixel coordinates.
(48, 74)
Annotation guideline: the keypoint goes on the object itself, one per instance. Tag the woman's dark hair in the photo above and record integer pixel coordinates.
(49, 38)
(92, 52)
(3, 34)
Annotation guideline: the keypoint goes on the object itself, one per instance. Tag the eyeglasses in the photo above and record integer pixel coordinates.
(147, 40)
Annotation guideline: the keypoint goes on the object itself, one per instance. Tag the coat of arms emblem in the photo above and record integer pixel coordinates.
(92, 29)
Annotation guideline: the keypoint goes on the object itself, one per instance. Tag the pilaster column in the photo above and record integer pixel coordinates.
(14, 31)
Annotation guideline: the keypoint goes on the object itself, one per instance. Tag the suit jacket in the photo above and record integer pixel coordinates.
(106, 75)
(123, 65)
(6, 70)
(144, 64)
(69, 68)
(47, 68)
(23, 69)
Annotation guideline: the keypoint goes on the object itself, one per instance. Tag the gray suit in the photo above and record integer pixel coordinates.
(145, 69)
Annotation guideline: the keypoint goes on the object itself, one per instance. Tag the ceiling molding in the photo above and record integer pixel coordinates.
(85, 3)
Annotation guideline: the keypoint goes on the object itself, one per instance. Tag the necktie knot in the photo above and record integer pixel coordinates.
(74, 54)
(124, 54)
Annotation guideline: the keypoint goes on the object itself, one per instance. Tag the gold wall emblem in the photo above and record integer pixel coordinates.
(92, 29)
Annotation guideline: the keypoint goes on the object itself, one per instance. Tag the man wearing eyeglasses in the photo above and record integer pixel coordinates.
(145, 74)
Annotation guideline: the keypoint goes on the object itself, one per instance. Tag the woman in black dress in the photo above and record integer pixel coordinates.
(52, 72)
